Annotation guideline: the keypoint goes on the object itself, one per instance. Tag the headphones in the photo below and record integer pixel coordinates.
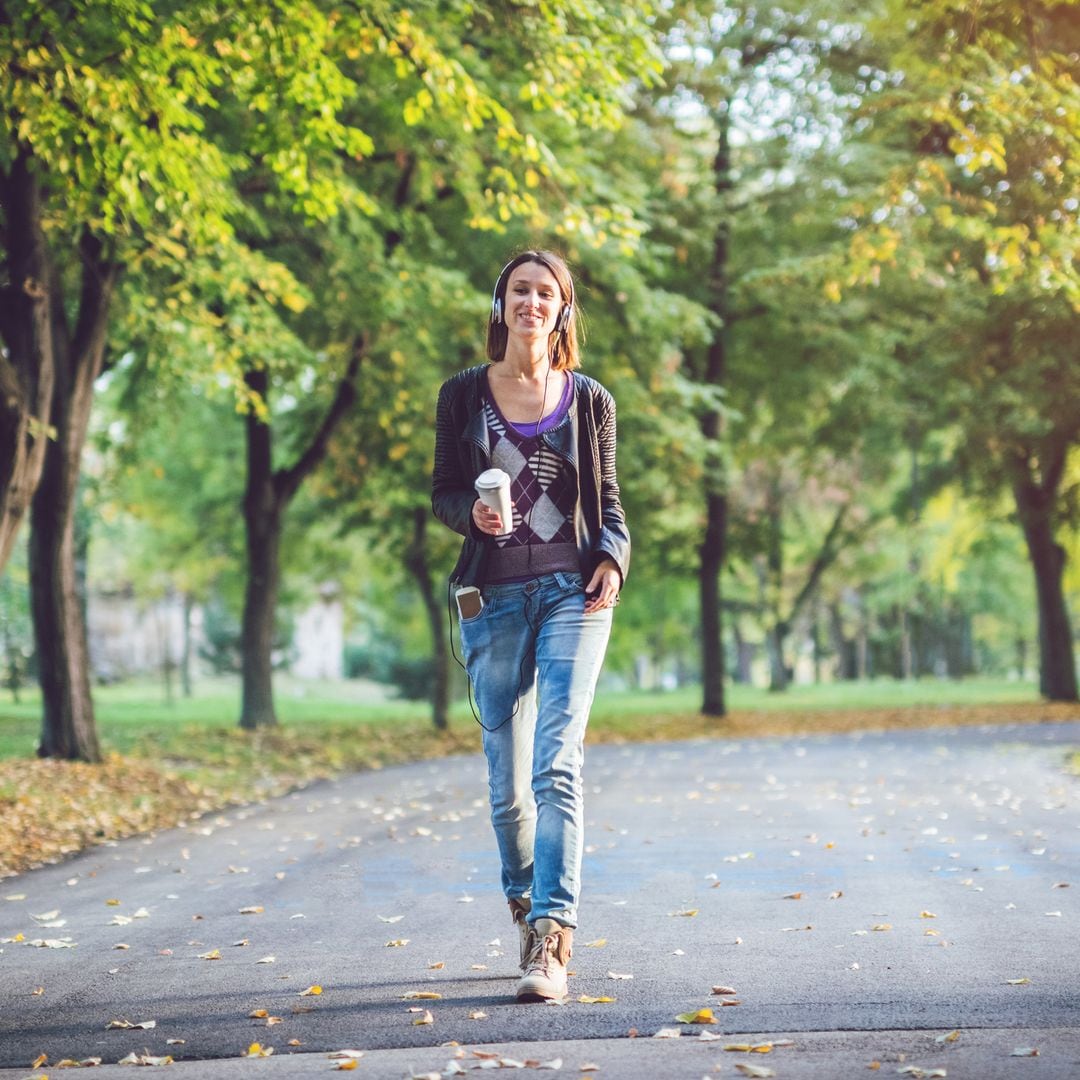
(497, 309)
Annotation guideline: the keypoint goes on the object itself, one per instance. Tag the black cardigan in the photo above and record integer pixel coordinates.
(587, 442)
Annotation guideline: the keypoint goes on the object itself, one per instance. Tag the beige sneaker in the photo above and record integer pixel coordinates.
(545, 968)
(519, 908)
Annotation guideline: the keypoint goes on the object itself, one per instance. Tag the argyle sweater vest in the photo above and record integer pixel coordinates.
(543, 488)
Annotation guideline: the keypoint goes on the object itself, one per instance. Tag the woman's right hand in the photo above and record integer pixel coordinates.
(487, 520)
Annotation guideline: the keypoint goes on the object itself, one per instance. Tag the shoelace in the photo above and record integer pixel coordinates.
(541, 954)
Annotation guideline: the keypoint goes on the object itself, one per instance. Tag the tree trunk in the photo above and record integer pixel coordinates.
(27, 371)
(262, 520)
(68, 729)
(1057, 663)
(714, 542)
(267, 494)
(185, 655)
(416, 561)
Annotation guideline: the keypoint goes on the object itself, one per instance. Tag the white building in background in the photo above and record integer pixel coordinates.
(318, 644)
(129, 637)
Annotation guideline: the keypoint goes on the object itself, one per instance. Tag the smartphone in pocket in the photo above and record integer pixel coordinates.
(469, 602)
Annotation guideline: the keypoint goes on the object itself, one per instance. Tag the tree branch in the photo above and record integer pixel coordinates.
(287, 481)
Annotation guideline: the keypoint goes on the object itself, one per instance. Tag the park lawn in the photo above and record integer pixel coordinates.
(168, 763)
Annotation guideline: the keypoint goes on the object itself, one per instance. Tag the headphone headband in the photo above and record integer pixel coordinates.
(497, 305)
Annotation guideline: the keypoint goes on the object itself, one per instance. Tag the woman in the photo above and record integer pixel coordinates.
(548, 581)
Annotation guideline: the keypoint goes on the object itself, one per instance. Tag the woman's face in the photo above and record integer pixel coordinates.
(533, 301)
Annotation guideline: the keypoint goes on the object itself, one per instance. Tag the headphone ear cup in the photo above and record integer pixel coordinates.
(564, 318)
(496, 311)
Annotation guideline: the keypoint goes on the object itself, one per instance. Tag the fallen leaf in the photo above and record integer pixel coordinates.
(927, 915)
(585, 999)
(345, 1055)
(127, 1025)
(22, 896)
(266, 960)
(588, 1066)
(437, 966)
(427, 1018)
(86, 1063)
(46, 916)
(1025, 1051)
(342, 1066)
(258, 1014)
(144, 1059)
(599, 943)
(41, 1059)
(391, 918)
(16, 940)
(254, 910)
(953, 1036)
(37, 991)
(753, 1070)
(257, 1050)
(213, 954)
(554, 1063)
(724, 990)
(919, 1073)
(702, 1016)
(836, 895)
(1018, 982)
(421, 995)
(668, 1033)
(478, 967)
(51, 943)
(175, 1042)
(881, 926)
(688, 913)
(311, 991)
(793, 896)
(478, 1015)
(618, 975)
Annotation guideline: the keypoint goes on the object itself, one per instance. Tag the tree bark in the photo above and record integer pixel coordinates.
(1057, 663)
(267, 495)
(714, 543)
(27, 371)
(416, 560)
(68, 729)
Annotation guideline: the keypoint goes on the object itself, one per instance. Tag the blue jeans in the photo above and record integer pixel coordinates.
(534, 657)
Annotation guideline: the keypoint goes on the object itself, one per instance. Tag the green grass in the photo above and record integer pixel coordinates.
(134, 715)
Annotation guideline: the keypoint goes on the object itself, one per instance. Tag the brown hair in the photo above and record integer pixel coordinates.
(563, 346)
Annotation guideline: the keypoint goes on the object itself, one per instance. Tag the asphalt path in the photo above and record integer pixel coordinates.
(908, 900)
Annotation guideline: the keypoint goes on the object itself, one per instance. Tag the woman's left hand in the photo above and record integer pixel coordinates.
(603, 588)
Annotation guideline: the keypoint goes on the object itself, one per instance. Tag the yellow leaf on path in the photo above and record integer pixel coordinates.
(1018, 982)
(478, 1015)
(881, 926)
(421, 995)
(256, 1050)
(272, 1020)
(22, 896)
(41, 1059)
(753, 1070)
(213, 954)
(702, 1016)
(874, 1066)
(350, 1064)
(258, 1014)
(12, 940)
(311, 991)
(112, 903)
(294, 1042)
(599, 943)
(927, 915)
(953, 1036)
(793, 896)
(437, 966)
(427, 1018)
(145, 1059)
(688, 913)
(397, 943)
(37, 991)
(254, 910)
(585, 999)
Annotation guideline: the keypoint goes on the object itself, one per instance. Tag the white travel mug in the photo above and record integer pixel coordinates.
(493, 487)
